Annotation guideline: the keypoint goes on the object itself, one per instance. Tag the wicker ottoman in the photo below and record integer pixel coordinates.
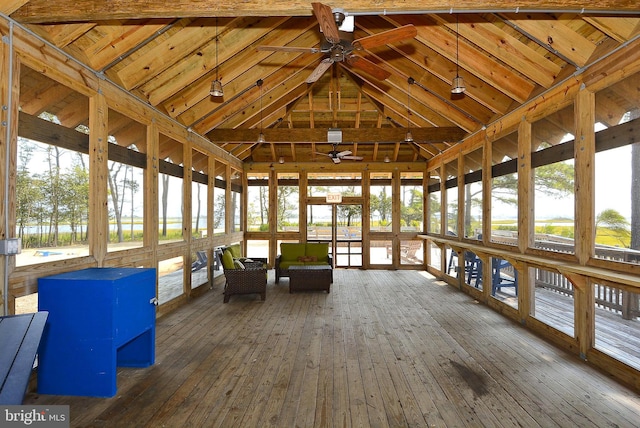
(310, 278)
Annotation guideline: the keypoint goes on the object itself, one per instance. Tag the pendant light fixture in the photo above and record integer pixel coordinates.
(261, 138)
(458, 83)
(408, 137)
(216, 85)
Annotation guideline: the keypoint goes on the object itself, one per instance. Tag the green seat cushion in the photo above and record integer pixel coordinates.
(291, 251)
(319, 250)
(315, 263)
(287, 264)
(236, 250)
(227, 260)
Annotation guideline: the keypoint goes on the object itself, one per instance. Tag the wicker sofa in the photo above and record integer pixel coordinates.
(301, 254)
(246, 277)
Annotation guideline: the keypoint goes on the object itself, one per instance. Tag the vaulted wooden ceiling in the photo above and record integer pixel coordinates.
(168, 53)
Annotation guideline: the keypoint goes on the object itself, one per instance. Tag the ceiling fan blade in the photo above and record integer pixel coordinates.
(344, 153)
(324, 15)
(386, 37)
(319, 70)
(323, 154)
(353, 157)
(369, 67)
(335, 160)
(288, 49)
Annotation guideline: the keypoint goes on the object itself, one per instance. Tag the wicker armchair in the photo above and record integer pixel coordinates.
(252, 279)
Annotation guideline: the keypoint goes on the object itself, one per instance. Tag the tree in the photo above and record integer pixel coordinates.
(54, 191)
(614, 221)
(115, 193)
(219, 209)
(382, 204)
(165, 199)
(74, 202)
(412, 210)
(196, 230)
(287, 201)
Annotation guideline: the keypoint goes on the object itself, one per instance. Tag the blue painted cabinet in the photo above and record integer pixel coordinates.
(99, 319)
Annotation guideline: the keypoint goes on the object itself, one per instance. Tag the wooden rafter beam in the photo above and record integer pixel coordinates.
(47, 11)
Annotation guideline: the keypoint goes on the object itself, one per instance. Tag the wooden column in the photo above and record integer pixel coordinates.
(9, 99)
(366, 217)
(151, 209)
(487, 151)
(526, 188)
(211, 181)
(228, 219)
(273, 215)
(584, 154)
(303, 182)
(98, 177)
(396, 216)
(461, 200)
(187, 180)
(443, 214)
(584, 312)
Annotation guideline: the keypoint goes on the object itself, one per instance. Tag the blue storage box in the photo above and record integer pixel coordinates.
(99, 319)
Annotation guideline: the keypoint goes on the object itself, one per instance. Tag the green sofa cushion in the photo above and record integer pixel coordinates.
(315, 263)
(227, 260)
(289, 252)
(287, 264)
(236, 250)
(320, 250)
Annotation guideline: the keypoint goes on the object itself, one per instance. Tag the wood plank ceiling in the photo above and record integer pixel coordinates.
(168, 53)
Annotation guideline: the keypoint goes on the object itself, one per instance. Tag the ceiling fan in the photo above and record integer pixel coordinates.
(340, 45)
(337, 156)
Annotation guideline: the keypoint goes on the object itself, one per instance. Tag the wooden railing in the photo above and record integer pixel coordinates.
(616, 300)
(625, 303)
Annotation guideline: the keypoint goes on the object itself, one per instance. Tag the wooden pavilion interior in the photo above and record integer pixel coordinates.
(450, 103)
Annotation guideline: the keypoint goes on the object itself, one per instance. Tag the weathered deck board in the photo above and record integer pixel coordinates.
(384, 348)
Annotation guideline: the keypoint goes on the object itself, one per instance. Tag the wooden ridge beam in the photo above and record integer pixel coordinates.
(351, 135)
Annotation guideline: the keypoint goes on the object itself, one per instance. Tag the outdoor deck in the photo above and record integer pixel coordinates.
(384, 348)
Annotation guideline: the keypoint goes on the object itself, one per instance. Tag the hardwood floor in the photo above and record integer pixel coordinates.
(384, 348)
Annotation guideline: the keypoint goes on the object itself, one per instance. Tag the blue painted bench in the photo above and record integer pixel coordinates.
(19, 340)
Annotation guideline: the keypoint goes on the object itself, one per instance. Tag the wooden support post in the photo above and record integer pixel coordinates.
(461, 198)
(98, 177)
(486, 190)
(526, 188)
(366, 219)
(302, 211)
(584, 154)
(9, 98)
(151, 209)
(584, 311)
(273, 214)
(187, 180)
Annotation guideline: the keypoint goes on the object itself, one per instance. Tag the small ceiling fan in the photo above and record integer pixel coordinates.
(340, 45)
(337, 156)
